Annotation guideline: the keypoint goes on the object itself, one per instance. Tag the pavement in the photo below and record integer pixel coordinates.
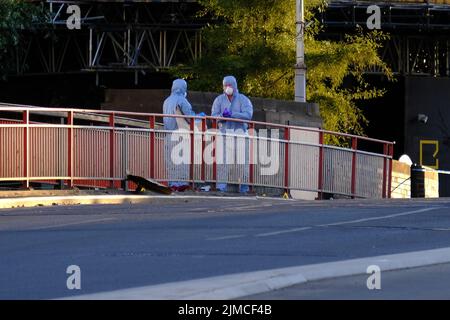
(163, 242)
(426, 283)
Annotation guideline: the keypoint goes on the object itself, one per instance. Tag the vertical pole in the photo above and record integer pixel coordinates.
(191, 166)
(70, 148)
(161, 64)
(111, 149)
(26, 149)
(286, 159)
(200, 45)
(320, 185)
(300, 67)
(214, 142)
(203, 174)
(251, 159)
(354, 148)
(391, 154)
(152, 147)
(125, 160)
(90, 46)
(165, 49)
(385, 154)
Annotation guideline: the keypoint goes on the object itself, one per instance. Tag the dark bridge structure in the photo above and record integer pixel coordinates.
(144, 35)
(419, 32)
(115, 36)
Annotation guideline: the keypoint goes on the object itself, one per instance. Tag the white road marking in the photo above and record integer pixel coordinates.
(274, 233)
(242, 208)
(72, 224)
(379, 218)
(227, 237)
(268, 234)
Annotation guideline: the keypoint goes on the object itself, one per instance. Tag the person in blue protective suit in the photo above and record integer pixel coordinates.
(234, 105)
(176, 100)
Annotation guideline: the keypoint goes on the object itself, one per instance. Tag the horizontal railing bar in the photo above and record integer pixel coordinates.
(116, 113)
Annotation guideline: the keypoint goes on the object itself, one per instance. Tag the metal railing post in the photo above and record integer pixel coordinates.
(354, 149)
(125, 160)
(203, 167)
(191, 166)
(26, 149)
(320, 184)
(214, 142)
(70, 148)
(251, 159)
(385, 155)
(391, 154)
(286, 159)
(152, 147)
(111, 149)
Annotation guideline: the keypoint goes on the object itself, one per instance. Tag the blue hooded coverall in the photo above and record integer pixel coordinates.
(177, 98)
(241, 108)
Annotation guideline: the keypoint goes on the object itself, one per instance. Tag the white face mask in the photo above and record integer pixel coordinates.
(229, 91)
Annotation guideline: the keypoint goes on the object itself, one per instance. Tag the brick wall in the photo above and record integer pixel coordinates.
(401, 182)
(431, 184)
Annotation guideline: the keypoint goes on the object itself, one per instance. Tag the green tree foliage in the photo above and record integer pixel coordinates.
(15, 17)
(255, 41)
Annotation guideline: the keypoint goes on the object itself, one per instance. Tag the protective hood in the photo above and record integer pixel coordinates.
(179, 87)
(231, 81)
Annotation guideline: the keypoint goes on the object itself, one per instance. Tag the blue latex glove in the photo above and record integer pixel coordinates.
(201, 114)
(226, 113)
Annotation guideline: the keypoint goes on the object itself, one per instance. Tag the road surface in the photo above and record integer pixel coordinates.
(125, 246)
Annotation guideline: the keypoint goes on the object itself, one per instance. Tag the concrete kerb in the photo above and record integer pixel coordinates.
(21, 202)
(250, 283)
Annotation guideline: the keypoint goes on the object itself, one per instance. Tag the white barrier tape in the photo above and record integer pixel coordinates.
(431, 170)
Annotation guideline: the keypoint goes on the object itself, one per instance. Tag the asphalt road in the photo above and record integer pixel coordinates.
(432, 282)
(123, 246)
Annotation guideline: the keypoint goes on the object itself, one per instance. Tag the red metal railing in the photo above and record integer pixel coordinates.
(102, 152)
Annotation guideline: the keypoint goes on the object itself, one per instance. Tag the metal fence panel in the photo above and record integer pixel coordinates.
(11, 152)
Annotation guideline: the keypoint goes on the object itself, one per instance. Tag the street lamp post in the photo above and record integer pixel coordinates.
(300, 67)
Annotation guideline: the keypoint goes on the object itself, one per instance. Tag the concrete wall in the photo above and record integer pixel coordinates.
(266, 110)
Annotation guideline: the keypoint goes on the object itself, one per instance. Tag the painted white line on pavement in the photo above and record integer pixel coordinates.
(379, 218)
(245, 284)
(71, 224)
(260, 206)
(268, 234)
(226, 237)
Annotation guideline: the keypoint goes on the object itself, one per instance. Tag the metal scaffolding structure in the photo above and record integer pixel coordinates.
(114, 37)
(419, 33)
(144, 35)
